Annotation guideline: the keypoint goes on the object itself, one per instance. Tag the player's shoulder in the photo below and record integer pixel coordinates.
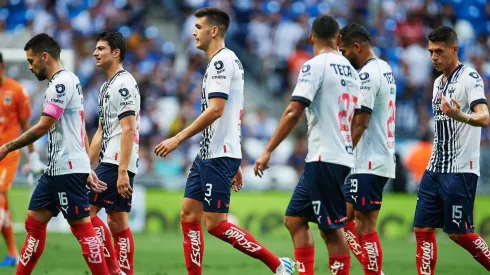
(222, 59)
(123, 78)
(470, 73)
(63, 80)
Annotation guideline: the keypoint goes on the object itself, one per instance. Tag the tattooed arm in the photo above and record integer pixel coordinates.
(29, 136)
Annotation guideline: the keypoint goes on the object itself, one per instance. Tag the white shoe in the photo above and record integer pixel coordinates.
(382, 273)
(286, 267)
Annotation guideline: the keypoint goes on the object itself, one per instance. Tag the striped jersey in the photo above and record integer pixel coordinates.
(375, 152)
(224, 78)
(66, 138)
(329, 86)
(118, 98)
(456, 147)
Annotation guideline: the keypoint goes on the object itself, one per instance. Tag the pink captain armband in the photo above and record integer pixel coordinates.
(53, 110)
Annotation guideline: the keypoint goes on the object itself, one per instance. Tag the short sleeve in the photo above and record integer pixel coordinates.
(23, 104)
(368, 90)
(475, 89)
(308, 84)
(57, 96)
(124, 99)
(219, 72)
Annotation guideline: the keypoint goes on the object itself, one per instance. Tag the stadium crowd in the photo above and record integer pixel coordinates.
(275, 33)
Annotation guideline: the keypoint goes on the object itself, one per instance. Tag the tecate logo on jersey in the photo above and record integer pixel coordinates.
(372, 254)
(32, 245)
(94, 246)
(234, 233)
(123, 253)
(428, 250)
(483, 246)
(196, 246)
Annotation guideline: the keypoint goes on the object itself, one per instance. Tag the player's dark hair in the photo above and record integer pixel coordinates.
(44, 43)
(443, 34)
(116, 41)
(215, 17)
(355, 33)
(325, 27)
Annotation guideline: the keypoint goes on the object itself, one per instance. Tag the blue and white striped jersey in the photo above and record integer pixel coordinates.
(66, 138)
(456, 146)
(224, 78)
(118, 98)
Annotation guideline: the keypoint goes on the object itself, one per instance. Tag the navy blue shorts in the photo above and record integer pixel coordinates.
(446, 201)
(210, 181)
(364, 191)
(68, 193)
(319, 195)
(110, 198)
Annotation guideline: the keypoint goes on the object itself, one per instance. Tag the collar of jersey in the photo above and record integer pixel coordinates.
(448, 80)
(216, 53)
(369, 60)
(54, 75)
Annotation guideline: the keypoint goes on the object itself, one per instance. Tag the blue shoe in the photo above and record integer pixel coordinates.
(286, 267)
(9, 261)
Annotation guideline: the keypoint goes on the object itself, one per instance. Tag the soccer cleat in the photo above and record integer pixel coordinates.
(9, 261)
(382, 273)
(286, 267)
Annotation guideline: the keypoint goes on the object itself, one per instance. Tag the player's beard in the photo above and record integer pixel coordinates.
(42, 75)
(354, 61)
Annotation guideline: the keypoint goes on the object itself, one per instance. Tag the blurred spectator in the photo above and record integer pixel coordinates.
(417, 160)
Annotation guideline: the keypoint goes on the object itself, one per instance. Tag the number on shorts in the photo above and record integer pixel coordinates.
(457, 212)
(316, 207)
(63, 198)
(353, 185)
(209, 188)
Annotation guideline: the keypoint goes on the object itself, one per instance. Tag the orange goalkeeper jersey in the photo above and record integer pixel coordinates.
(14, 107)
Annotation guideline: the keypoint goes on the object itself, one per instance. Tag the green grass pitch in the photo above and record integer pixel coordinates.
(162, 255)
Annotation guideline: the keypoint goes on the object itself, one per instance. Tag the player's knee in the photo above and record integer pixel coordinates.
(189, 216)
(454, 237)
(294, 224)
(116, 225)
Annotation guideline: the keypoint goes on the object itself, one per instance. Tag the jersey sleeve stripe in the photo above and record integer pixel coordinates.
(476, 102)
(364, 109)
(125, 114)
(220, 95)
(301, 99)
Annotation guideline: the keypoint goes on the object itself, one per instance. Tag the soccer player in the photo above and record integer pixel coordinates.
(115, 149)
(63, 186)
(328, 88)
(374, 152)
(15, 111)
(216, 168)
(447, 190)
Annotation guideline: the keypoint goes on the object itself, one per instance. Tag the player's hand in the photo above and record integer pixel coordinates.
(3, 152)
(95, 184)
(237, 182)
(261, 164)
(451, 110)
(123, 187)
(167, 146)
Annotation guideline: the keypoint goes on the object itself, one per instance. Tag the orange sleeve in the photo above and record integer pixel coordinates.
(23, 104)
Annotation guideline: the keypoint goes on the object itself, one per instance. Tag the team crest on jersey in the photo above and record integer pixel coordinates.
(60, 88)
(218, 65)
(364, 76)
(124, 92)
(7, 100)
(305, 68)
